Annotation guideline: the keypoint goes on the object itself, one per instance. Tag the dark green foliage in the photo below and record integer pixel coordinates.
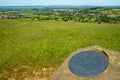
(74, 15)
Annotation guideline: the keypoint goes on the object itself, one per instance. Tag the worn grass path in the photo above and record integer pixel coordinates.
(36, 48)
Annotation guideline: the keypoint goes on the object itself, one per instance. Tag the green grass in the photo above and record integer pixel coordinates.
(28, 46)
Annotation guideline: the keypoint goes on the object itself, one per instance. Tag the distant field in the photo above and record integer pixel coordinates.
(31, 50)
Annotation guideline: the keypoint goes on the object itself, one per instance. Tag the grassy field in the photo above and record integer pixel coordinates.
(33, 50)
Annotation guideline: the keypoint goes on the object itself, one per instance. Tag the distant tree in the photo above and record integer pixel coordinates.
(99, 22)
(64, 19)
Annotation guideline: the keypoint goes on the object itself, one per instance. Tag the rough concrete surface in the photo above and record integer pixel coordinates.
(112, 73)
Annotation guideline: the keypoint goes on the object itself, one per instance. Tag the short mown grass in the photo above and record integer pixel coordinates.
(28, 49)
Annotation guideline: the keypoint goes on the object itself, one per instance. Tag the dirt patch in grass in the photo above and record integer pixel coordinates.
(25, 73)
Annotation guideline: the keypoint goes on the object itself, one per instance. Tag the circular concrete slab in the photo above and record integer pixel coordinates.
(88, 63)
(91, 63)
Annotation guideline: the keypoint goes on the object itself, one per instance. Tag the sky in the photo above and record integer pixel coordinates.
(58, 2)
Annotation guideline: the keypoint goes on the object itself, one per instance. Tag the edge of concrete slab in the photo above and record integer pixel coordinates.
(112, 73)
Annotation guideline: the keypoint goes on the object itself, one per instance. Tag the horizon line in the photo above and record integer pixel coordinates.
(60, 5)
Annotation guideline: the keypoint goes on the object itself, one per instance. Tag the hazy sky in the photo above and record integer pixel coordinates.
(58, 2)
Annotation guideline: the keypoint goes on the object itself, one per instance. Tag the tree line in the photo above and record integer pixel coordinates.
(68, 15)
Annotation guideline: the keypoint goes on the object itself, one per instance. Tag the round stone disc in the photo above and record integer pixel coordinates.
(88, 63)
